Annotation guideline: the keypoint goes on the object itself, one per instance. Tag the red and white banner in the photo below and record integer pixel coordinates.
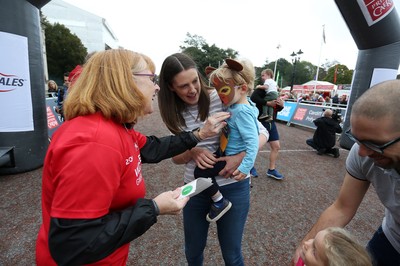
(375, 10)
(311, 88)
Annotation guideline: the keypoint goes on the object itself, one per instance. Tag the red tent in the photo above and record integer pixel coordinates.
(314, 86)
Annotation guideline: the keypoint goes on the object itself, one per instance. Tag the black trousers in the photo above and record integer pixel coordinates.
(311, 143)
(212, 173)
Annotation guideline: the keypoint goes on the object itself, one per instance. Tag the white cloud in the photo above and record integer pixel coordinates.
(253, 28)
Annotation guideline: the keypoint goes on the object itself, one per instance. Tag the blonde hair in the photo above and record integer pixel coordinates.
(341, 248)
(245, 76)
(106, 85)
(51, 82)
(268, 72)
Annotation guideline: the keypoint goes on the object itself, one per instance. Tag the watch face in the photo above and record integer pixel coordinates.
(226, 91)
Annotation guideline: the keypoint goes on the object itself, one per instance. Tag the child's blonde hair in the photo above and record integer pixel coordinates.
(245, 76)
(268, 72)
(341, 248)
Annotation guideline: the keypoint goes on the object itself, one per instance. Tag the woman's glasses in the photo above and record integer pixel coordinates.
(370, 145)
(153, 77)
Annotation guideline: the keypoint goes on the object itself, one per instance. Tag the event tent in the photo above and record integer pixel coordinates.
(315, 86)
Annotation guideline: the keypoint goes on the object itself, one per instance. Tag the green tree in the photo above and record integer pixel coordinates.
(305, 71)
(283, 67)
(64, 50)
(203, 54)
(321, 73)
(343, 74)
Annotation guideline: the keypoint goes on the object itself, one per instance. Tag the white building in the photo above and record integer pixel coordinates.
(94, 31)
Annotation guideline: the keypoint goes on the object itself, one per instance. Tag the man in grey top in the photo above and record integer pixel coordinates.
(373, 159)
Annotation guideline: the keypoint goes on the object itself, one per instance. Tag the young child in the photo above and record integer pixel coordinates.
(271, 90)
(233, 81)
(333, 246)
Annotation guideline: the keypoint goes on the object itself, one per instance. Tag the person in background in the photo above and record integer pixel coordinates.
(324, 138)
(314, 97)
(271, 93)
(258, 97)
(185, 102)
(232, 81)
(335, 100)
(74, 74)
(328, 101)
(52, 88)
(93, 189)
(373, 159)
(343, 99)
(333, 246)
(302, 98)
(320, 100)
(62, 95)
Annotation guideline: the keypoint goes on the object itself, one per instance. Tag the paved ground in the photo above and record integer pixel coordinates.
(281, 212)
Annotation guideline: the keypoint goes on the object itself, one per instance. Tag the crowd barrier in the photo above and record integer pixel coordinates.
(53, 119)
(304, 114)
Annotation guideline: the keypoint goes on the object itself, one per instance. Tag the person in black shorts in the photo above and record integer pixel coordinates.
(257, 97)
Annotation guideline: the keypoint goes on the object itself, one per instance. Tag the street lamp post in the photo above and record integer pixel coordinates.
(295, 60)
(276, 61)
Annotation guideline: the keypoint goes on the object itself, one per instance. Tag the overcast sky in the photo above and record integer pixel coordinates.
(254, 28)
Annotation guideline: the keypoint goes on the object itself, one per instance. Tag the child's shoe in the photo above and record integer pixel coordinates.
(263, 116)
(217, 211)
(253, 172)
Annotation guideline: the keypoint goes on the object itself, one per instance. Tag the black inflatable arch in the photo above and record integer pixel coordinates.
(25, 151)
(376, 31)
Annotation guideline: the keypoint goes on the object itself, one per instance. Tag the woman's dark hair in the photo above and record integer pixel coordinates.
(170, 105)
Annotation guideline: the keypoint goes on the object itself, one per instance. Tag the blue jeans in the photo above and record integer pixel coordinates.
(382, 252)
(230, 227)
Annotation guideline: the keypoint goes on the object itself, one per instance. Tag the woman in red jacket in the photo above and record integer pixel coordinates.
(93, 190)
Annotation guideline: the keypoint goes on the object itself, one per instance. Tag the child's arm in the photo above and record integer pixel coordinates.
(233, 161)
(248, 130)
(265, 87)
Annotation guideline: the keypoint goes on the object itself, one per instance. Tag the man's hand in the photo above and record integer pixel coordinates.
(271, 103)
(276, 102)
(280, 102)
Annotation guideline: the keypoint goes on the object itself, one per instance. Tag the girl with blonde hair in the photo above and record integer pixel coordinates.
(334, 246)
